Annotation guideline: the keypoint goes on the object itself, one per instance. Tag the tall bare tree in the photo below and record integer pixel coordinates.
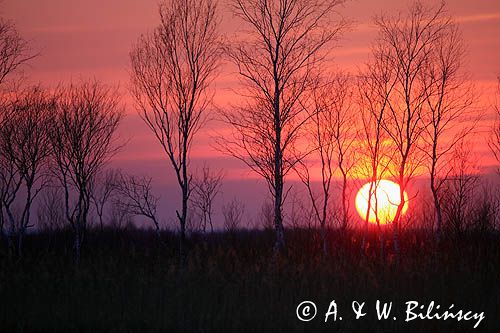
(83, 139)
(14, 52)
(206, 187)
(407, 43)
(375, 84)
(25, 150)
(277, 60)
(172, 69)
(449, 98)
(345, 133)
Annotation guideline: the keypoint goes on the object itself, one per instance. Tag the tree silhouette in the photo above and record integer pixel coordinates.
(172, 69)
(135, 197)
(24, 154)
(408, 43)
(278, 62)
(233, 215)
(449, 97)
(459, 189)
(103, 190)
(14, 52)
(333, 132)
(206, 187)
(83, 139)
(375, 84)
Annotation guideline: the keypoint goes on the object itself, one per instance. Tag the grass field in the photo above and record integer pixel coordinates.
(128, 281)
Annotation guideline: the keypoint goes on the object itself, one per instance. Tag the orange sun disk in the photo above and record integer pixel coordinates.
(386, 198)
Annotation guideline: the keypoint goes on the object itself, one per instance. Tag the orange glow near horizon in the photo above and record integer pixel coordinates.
(384, 201)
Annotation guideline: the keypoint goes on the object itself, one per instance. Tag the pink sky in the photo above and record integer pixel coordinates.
(92, 38)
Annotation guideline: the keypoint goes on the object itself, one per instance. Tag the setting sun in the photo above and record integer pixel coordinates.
(386, 197)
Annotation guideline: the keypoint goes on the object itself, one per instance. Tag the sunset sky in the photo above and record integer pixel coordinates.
(92, 38)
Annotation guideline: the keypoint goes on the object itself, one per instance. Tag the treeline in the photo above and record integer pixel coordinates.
(410, 111)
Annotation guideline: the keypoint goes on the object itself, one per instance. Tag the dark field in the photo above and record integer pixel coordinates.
(128, 281)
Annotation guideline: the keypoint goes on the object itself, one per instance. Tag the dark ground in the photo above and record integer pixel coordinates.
(127, 281)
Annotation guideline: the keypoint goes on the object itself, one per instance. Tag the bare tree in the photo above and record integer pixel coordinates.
(10, 184)
(449, 98)
(205, 188)
(14, 52)
(459, 189)
(233, 214)
(50, 210)
(407, 43)
(277, 62)
(486, 208)
(172, 69)
(345, 133)
(83, 139)
(102, 191)
(333, 133)
(375, 85)
(24, 151)
(135, 196)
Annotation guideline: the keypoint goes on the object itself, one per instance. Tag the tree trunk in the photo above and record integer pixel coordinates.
(81, 224)
(438, 216)
(12, 232)
(25, 219)
(344, 202)
(182, 219)
(278, 218)
(399, 211)
(396, 223)
(210, 221)
(371, 191)
(279, 245)
(185, 197)
(101, 224)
